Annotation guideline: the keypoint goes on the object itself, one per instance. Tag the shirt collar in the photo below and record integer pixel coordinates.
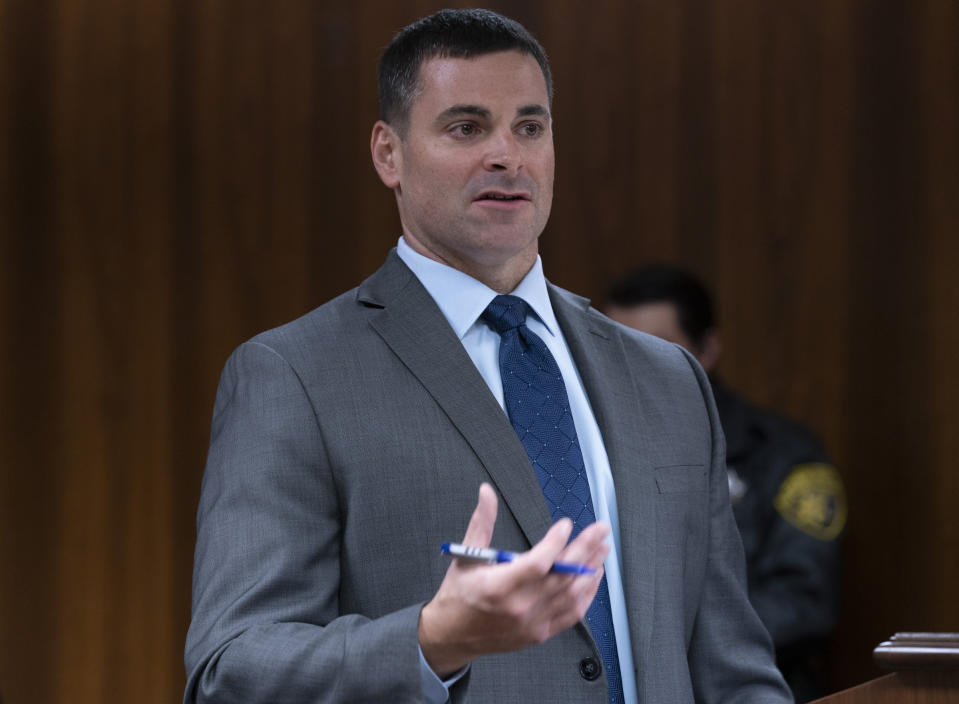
(462, 299)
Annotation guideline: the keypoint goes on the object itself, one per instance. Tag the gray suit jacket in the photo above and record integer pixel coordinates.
(348, 444)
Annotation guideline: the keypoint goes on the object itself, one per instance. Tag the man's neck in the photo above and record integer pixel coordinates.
(502, 277)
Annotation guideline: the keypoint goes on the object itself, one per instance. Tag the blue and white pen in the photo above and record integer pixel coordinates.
(491, 556)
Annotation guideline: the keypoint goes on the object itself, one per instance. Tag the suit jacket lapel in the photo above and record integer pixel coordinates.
(600, 357)
(407, 318)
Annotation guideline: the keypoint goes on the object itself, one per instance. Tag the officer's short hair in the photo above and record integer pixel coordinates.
(663, 283)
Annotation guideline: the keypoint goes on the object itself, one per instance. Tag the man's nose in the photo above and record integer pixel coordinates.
(504, 154)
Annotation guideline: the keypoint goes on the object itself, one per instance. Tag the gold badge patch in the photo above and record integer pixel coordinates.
(813, 499)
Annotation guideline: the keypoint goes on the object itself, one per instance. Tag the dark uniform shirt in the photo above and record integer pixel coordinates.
(790, 506)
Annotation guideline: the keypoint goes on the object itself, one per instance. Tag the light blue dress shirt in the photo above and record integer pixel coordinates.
(462, 299)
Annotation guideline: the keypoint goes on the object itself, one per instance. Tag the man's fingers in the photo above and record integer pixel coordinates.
(553, 542)
(590, 547)
(542, 555)
(479, 532)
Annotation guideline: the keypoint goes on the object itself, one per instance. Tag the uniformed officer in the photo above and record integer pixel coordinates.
(788, 499)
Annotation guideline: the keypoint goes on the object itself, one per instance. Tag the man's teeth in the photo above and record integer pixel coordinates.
(497, 196)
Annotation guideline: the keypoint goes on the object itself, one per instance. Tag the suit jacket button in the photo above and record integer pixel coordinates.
(590, 668)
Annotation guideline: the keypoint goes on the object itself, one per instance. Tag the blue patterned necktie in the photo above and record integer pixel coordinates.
(538, 408)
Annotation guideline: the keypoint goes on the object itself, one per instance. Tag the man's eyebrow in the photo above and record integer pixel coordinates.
(528, 110)
(455, 111)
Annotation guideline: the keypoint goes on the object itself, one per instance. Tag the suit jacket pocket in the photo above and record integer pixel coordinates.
(681, 478)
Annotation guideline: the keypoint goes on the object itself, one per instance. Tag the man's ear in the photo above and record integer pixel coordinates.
(712, 346)
(385, 149)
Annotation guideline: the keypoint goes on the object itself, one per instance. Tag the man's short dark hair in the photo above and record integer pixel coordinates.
(662, 283)
(448, 34)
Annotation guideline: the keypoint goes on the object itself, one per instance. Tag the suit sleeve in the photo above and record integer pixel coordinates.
(730, 654)
(266, 623)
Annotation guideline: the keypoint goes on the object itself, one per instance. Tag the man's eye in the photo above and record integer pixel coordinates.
(464, 130)
(532, 129)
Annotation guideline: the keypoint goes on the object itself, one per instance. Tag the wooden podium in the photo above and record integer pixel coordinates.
(926, 671)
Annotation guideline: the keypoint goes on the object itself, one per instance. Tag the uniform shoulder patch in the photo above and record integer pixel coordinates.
(812, 498)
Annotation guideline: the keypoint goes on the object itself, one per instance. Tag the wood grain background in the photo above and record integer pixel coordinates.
(177, 175)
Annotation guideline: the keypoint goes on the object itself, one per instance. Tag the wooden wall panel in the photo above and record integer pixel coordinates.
(177, 175)
(30, 470)
(938, 89)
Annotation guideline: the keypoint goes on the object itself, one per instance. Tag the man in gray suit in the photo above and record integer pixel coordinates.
(348, 445)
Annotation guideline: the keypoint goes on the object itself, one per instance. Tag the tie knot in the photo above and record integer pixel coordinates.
(505, 313)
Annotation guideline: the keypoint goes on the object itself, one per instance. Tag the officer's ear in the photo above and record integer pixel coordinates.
(709, 350)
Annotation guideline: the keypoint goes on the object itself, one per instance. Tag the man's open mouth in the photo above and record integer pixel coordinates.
(501, 196)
